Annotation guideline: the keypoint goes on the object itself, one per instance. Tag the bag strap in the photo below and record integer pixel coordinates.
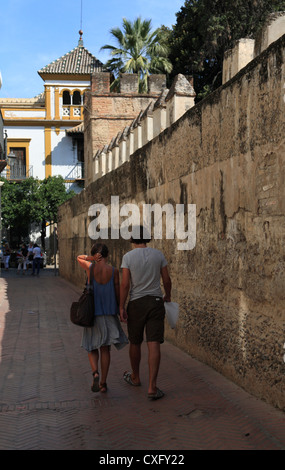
(91, 269)
(90, 275)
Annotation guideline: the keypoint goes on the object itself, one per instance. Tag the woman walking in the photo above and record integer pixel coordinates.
(107, 330)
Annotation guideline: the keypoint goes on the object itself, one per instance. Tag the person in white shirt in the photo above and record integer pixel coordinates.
(36, 260)
(142, 269)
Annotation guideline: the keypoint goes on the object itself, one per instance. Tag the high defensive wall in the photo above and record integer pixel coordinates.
(225, 155)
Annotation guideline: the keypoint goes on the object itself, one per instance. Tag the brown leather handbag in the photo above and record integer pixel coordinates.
(82, 312)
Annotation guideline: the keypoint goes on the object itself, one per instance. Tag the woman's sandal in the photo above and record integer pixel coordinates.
(103, 387)
(95, 386)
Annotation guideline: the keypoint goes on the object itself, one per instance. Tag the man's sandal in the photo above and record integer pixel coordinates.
(128, 378)
(155, 396)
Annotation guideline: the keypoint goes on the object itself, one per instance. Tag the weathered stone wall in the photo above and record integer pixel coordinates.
(226, 155)
(107, 113)
(149, 123)
(247, 49)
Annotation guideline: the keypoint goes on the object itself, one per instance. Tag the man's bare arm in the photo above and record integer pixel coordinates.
(166, 283)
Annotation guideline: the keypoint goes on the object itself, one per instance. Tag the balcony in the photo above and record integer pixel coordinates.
(72, 112)
(77, 173)
(18, 172)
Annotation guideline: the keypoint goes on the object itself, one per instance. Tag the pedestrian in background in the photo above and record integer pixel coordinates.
(142, 269)
(22, 259)
(30, 255)
(107, 330)
(36, 259)
(7, 254)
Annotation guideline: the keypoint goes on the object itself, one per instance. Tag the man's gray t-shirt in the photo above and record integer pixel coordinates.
(145, 265)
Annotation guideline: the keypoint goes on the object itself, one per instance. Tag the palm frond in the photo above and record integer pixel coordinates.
(139, 50)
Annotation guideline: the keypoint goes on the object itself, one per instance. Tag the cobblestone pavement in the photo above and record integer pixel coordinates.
(46, 402)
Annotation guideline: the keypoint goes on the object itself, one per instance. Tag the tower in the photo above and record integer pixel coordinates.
(45, 132)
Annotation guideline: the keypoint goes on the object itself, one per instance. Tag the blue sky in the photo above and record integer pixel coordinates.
(36, 32)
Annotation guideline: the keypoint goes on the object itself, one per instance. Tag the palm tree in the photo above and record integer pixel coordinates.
(139, 51)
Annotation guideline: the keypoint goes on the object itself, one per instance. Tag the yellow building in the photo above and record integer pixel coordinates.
(45, 133)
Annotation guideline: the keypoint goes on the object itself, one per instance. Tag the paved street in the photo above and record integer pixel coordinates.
(46, 402)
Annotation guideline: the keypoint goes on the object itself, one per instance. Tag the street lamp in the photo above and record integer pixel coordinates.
(11, 158)
(1, 184)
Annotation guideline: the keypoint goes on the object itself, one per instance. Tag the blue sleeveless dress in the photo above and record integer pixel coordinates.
(107, 328)
(105, 298)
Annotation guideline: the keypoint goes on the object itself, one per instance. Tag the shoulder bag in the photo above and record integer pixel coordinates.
(82, 312)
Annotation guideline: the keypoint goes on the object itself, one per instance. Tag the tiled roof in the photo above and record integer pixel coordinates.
(76, 130)
(37, 100)
(78, 61)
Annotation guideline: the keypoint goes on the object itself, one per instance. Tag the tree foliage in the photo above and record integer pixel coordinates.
(138, 50)
(19, 205)
(52, 193)
(31, 201)
(205, 29)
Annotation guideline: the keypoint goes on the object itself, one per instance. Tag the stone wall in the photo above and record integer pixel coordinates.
(226, 155)
(246, 49)
(107, 113)
(149, 123)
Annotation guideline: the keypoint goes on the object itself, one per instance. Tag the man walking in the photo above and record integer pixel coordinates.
(142, 269)
(37, 259)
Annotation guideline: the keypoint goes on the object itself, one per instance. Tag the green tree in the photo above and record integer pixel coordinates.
(205, 29)
(52, 193)
(20, 205)
(139, 50)
(31, 201)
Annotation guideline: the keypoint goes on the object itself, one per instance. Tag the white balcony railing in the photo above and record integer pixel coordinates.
(77, 172)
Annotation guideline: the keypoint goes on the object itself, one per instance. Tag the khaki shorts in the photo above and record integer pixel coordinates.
(146, 313)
